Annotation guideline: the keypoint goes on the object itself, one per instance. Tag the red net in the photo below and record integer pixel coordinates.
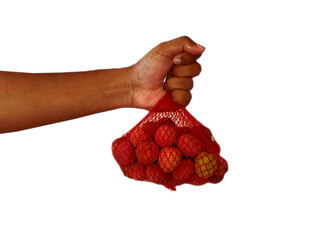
(170, 147)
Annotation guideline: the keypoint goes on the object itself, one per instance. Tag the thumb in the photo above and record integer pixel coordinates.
(182, 44)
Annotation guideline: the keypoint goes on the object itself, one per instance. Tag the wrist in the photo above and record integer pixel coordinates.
(117, 88)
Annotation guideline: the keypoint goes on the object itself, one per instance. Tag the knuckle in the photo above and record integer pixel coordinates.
(160, 46)
(187, 58)
(182, 96)
(185, 96)
(190, 84)
(168, 84)
(188, 97)
(187, 84)
(185, 38)
(197, 68)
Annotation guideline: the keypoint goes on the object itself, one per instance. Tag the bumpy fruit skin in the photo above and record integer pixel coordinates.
(125, 154)
(165, 135)
(205, 164)
(189, 145)
(184, 171)
(137, 171)
(182, 130)
(209, 143)
(155, 175)
(149, 128)
(215, 179)
(169, 158)
(124, 169)
(138, 135)
(197, 181)
(222, 166)
(220, 172)
(212, 147)
(115, 145)
(147, 152)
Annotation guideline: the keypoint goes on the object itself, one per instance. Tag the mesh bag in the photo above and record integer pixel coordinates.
(170, 147)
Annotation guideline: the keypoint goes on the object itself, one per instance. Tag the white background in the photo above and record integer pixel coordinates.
(258, 93)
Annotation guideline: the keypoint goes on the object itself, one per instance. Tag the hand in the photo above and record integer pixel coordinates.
(173, 61)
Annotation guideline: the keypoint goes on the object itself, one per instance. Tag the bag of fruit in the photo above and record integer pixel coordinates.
(170, 147)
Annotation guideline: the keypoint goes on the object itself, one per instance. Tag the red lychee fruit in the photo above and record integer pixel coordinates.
(169, 158)
(137, 171)
(149, 128)
(115, 145)
(165, 121)
(220, 172)
(189, 145)
(222, 166)
(206, 164)
(165, 135)
(202, 131)
(196, 180)
(182, 130)
(215, 179)
(138, 135)
(147, 152)
(204, 134)
(155, 175)
(212, 147)
(184, 171)
(124, 169)
(125, 153)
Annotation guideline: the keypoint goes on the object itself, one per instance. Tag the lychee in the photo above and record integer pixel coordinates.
(222, 166)
(215, 179)
(138, 135)
(147, 152)
(182, 130)
(189, 145)
(149, 128)
(165, 135)
(115, 145)
(202, 131)
(220, 172)
(125, 153)
(155, 175)
(196, 180)
(124, 170)
(184, 171)
(137, 171)
(205, 164)
(212, 147)
(169, 158)
(204, 134)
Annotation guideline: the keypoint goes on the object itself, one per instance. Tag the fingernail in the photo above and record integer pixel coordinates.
(176, 60)
(200, 47)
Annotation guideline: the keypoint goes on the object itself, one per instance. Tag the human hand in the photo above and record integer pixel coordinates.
(173, 61)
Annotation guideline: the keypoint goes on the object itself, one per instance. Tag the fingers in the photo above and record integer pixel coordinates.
(173, 83)
(185, 58)
(180, 89)
(182, 97)
(183, 53)
(180, 80)
(190, 70)
(179, 45)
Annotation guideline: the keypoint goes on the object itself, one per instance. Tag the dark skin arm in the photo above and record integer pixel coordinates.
(29, 100)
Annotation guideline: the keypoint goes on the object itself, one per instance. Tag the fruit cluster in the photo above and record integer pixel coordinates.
(164, 153)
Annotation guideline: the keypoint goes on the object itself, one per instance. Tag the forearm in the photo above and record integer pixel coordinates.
(34, 99)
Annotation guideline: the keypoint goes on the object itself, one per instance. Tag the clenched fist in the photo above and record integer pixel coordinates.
(170, 66)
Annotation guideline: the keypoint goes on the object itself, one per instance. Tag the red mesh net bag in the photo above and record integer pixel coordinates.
(170, 147)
